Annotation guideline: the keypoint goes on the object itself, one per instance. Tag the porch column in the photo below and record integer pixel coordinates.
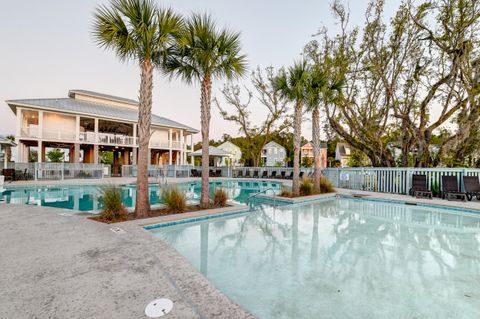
(170, 147)
(77, 129)
(95, 151)
(134, 156)
(96, 132)
(135, 136)
(76, 153)
(19, 157)
(182, 150)
(192, 160)
(40, 124)
(19, 121)
(126, 157)
(40, 151)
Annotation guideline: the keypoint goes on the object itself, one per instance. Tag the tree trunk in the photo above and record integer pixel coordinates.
(205, 102)
(142, 204)
(316, 148)
(297, 135)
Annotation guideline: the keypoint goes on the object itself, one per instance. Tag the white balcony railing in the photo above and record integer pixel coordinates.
(87, 137)
(115, 139)
(58, 135)
(29, 131)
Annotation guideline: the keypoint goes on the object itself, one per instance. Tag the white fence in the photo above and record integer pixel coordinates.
(58, 171)
(392, 180)
(159, 171)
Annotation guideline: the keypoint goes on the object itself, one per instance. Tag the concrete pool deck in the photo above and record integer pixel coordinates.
(56, 265)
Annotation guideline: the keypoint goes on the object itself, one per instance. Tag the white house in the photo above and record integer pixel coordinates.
(86, 123)
(234, 150)
(343, 153)
(273, 154)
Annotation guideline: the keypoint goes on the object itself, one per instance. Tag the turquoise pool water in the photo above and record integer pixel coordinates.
(340, 258)
(86, 197)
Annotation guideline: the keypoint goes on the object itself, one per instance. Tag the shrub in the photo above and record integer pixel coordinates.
(174, 199)
(220, 198)
(306, 187)
(111, 200)
(326, 186)
(286, 192)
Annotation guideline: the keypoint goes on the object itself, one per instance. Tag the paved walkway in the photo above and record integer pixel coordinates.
(66, 266)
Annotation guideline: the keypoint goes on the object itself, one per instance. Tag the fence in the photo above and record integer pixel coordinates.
(392, 180)
(159, 170)
(58, 171)
(268, 171)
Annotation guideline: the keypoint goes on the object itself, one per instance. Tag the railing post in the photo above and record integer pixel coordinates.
(35, 169)
(63, 169)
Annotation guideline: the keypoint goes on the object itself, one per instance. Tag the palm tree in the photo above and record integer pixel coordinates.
(138, 30)
(316, 84)
(204, 53)
(291, 86)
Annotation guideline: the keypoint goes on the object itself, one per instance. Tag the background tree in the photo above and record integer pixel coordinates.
(204, 53)
(291, 86)
(56, 155)
(138, 30)
(256, 136)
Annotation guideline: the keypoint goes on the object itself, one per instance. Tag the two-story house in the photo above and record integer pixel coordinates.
(273, 154)
(86, 123)
(343, 154)
(234, 150)
(306, 151)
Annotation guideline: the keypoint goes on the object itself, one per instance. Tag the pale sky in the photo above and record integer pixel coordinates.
(47, 49)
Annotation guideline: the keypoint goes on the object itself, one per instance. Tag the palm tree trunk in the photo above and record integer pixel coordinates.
(316, 148)
(205, 102)
(142, 204)
(297, 135)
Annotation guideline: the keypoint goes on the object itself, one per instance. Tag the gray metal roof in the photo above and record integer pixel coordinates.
(6, 141)
(102, 96)
(69, 105)
(212, 151)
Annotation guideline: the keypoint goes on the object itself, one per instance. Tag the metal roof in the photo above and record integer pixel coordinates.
(273, 144)
(69, 105)
(6, 141)
(102, 96)
(212, 151)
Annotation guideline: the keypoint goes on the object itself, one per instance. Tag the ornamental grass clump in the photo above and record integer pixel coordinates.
(174, 199)
(112, 205)
(306, 187)
(220, 198)
(326, 186)
(286, 192)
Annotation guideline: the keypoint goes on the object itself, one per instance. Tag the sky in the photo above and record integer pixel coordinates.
(47, 48)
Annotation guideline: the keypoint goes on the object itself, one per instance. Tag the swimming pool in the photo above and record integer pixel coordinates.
(86, 197)
(340, 258)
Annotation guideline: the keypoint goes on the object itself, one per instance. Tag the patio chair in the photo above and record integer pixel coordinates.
(218, 173)
(274, 174)
(291, 175)
(255, 173)
(240, 173)
(450, 188)
(301, 174)
(193, 172)
(472, 187)
(419, 186)
(247, 173)
(211, 173)
(282, 174)
(9, 174)
(265, 174)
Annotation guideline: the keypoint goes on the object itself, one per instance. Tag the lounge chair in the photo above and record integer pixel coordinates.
(472, 187)
(194, 173)
(247, 173)
(218, 173)
(450, 188)
(240, 173)
(255, 173)
(301, 174)
(274, 174)
(265, 174)
(9, 174)
(291, 175)
(282, 174)
(419, 186)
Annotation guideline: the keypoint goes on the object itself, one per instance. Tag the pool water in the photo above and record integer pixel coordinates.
(340, 258)
(86, 197)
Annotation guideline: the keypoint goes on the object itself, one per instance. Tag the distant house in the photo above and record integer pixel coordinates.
(234, 150)
(306, 151)
(273, 154)
(343, 153)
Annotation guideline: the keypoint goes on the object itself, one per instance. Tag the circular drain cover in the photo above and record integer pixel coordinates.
(158, 308)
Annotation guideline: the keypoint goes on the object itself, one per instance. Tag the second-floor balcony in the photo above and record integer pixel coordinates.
(99, 138)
